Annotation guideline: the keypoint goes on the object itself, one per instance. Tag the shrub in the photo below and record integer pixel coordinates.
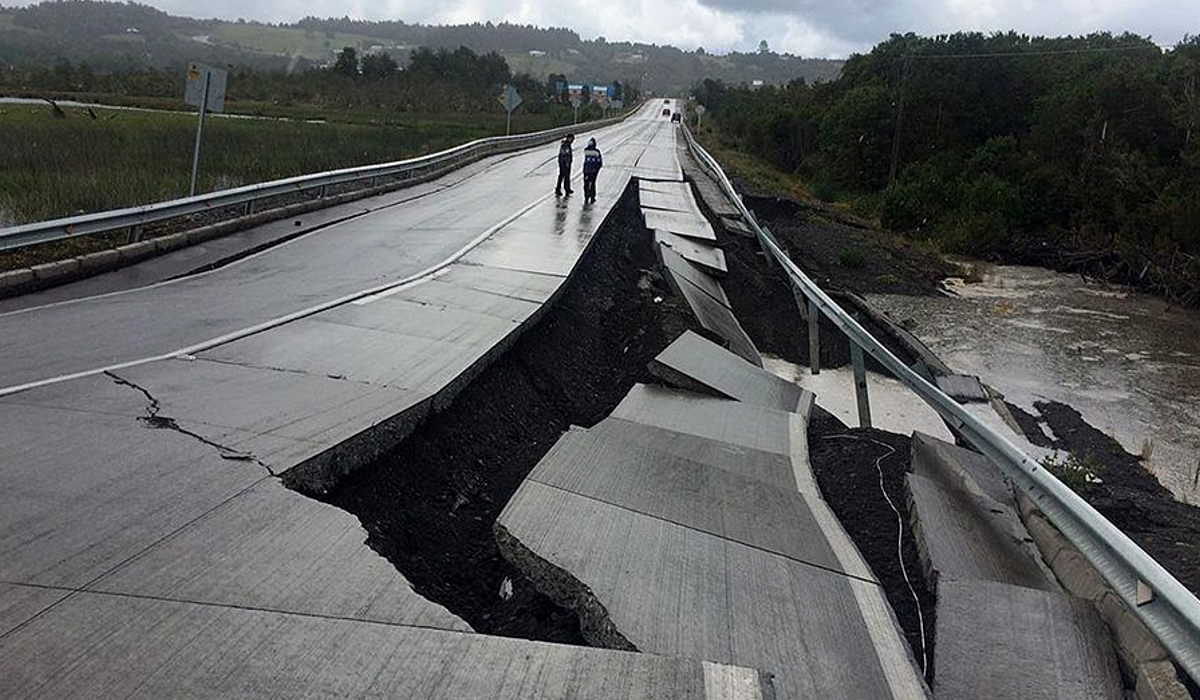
(851, 257)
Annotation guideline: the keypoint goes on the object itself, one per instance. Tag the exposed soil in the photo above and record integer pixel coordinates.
(1128, 495)
(430, 504)
(838, 255)
(764, 304)
(844, 461)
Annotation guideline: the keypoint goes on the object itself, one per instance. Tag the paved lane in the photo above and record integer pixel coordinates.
(370, 251)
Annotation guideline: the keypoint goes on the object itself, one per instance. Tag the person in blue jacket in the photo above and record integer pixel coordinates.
(592, 162)
(565, 156)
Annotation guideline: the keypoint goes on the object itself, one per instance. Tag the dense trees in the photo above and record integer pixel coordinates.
(1073, 151)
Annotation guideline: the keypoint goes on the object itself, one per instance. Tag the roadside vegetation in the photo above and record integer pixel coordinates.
(59, 161)
(1078, 153)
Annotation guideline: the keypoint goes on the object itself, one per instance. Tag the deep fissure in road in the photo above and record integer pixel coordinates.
(842, 459)
(430, 503)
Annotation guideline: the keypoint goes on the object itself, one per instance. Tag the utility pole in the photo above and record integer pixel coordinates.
(899, 122)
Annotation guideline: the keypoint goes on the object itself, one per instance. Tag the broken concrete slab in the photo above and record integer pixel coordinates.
(79, 502)
(674, 189)
(948, 463)
(996, 640)
(271, 548)
(741, 424)
(711, 258)
(714, 316)
(963, 388)
(642, 582)
(963, 537)
(768, 467)
(145, 649)
(690, 225)
(693, 362)
(683, 203)
(710, 499)
(678, 270)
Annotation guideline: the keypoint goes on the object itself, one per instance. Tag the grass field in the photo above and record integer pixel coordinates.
(288, 41)
(52, 167)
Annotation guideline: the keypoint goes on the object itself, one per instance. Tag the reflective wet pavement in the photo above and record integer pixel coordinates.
(1128, 362)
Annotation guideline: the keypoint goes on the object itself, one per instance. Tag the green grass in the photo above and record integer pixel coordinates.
(1074, 471)
(51, 168)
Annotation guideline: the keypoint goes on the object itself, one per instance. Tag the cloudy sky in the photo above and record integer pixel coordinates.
(830, 28)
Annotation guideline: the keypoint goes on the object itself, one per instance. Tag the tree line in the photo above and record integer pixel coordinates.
(1081, 153)
(431, 81)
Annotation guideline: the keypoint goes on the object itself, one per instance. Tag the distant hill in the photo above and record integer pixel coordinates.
(111, 36)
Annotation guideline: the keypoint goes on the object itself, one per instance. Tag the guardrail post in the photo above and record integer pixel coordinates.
(322, 191)
(814, 338)
(135, 233)
(250, 208)
(860, 385)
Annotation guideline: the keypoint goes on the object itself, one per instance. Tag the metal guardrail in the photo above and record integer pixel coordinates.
(1166, 607)
(133, 218)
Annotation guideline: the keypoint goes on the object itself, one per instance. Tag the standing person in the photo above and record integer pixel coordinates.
(565, 156)
(592, 162)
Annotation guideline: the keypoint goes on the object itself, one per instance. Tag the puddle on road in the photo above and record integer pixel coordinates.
(1128, 362)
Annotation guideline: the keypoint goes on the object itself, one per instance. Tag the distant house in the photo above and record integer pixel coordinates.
(756, 84)
(535, 52)
(132, 30)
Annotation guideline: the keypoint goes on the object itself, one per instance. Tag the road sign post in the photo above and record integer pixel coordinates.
(205, 89)
(575, 102)
(510, 100)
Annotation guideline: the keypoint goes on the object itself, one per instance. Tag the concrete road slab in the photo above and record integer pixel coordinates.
(675, 189)
(683, 203)
(323, 349)
(103, 646)
(666, 588)
(963, 388)
(695, 363)
(711, 258)
(273, 549)
(710, 499)
(79, 502)
(768, 467)
(514, 284)
(710, 312)
(736, 423)
(1008, 642)
(306, 407)
(945, 462)
(963, 537)
(20, 603)
(679, 270)
(689, 225)
(397, 315)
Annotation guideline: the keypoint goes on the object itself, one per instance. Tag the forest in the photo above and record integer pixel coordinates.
(1077, 153)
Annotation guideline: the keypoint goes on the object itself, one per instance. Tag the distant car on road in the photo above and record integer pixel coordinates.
(667, 112)
(677, 117)
(666, 102)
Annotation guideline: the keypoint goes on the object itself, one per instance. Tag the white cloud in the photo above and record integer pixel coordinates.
(805, 27)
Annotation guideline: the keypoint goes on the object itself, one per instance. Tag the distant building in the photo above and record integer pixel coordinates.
(756, 84)
(535, 52)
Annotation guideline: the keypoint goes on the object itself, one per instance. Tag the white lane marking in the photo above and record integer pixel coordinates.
(899, 667)
(280, 320)
(377, 291)
(499, 159)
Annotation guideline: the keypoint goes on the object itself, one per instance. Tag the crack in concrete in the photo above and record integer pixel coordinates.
(159, 422)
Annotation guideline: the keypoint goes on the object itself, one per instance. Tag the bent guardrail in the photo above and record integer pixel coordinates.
(1164, 605)
(132, 218)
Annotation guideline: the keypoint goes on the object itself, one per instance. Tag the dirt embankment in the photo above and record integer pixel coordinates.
(430, 504)
(1128, 494)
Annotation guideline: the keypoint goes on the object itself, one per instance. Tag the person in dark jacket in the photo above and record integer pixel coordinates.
(565, 156)
(592, 162)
